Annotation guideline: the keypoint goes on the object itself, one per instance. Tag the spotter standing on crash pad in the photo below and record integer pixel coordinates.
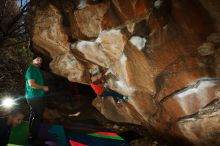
(35, 90)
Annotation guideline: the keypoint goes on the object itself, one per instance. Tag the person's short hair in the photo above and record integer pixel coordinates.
(16, 111)
(36, 56)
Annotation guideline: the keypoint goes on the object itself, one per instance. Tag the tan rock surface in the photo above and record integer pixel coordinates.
(88, 20)
(68, 66)
(156, 51)
(48, 33)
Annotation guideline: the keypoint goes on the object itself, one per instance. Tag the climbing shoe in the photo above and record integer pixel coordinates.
(125, 98)
(119, 101)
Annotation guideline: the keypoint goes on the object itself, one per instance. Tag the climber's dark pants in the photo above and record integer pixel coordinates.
(113, 94)
(36, 114)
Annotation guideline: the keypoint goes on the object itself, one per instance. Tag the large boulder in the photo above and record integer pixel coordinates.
(162, 54)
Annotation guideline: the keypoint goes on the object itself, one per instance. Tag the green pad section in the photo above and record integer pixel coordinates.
(19, 134)
(108, 137)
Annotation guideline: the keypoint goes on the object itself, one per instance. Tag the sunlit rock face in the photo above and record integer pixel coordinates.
(163, 54)
(68, 66)
(203, 128)
(88, 20)
(48, 33)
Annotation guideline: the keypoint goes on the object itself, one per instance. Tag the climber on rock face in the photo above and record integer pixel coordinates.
(97, 84)
(35, 90)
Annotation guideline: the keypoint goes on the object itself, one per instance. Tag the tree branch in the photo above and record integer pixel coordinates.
(15, 28)
(17, 17)
(21, 4)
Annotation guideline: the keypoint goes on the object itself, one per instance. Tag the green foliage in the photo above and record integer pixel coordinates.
(25, 54)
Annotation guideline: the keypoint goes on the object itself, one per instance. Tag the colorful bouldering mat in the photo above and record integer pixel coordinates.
(53, 135)
(69, 134)
(90, 135)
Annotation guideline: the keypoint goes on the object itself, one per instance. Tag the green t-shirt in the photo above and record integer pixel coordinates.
(34, 73)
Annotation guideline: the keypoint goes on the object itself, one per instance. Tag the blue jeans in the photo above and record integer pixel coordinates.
(113, 94)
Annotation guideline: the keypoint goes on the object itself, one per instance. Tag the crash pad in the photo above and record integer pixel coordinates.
(53, 134)
(92, 135)
(74, 143)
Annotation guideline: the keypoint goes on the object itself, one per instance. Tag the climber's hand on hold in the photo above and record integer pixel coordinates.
(109, 71)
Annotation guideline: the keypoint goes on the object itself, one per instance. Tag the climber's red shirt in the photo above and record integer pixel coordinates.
(98, 88)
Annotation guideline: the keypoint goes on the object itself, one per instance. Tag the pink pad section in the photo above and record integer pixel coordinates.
(74, 143)
(107, 133)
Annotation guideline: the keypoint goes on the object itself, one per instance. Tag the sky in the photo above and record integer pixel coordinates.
(23, 2)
